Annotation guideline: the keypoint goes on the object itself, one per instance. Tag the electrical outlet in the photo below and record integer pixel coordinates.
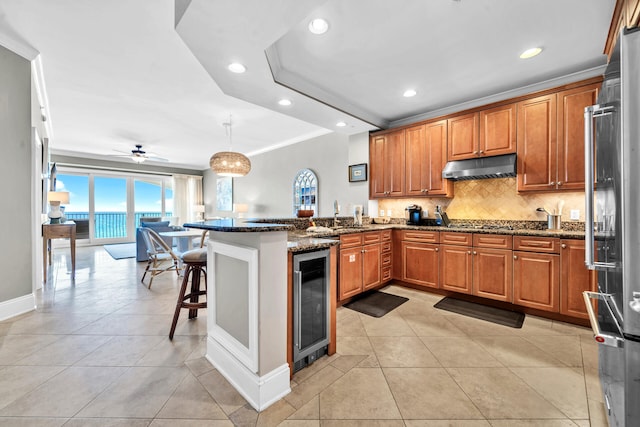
(381, 212)
(389, 212)
(575, 214)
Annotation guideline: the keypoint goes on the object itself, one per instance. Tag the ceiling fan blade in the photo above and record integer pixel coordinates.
(156, 159)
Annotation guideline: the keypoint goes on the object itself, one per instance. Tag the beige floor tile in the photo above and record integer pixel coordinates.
(353, 346)
(244, 416)
(500, 394)
(565, 348)
(31, 422)
(402, 352)
(460, 352)
(170, 352)
(476, 327)
(64, 394)
(13, 348)
(129, 324)
(52, 323)
(191, 400)
(597, 414)
(190, 423)
(275, 414)
(361, 394)
(306, 391)
(590, 351)
(517, 352)
(582, 423)
(432, 325)
(345, 363)
(124, 398)
(65, 351)
(121, 351)
(312, 369)
(390, 325)
(150, 306)
(223, 393)
(186, 326)
(593, 386)
(16, 381)
(350, 325)
(361, 423)
(370, 361)
(199, 366)
(532, 423)
(309, 411)
(563, 387)
(300, 423)
(429, 393)
(107, 422)
(447, 423)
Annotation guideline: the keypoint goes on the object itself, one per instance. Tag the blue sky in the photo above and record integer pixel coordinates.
(110, 194)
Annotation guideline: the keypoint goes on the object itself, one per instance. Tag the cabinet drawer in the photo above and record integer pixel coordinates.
(453, 238)
(536, 244)
(385, 247)
(421, 236)
(497, 241)
(371, 237)
(387, 260)
(386, 274)
(385, 235)
(350, 240)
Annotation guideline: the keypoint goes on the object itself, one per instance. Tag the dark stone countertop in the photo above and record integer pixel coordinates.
(237, 225)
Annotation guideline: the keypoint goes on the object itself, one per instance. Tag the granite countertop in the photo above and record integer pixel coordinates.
(301, 242)
(236, 225)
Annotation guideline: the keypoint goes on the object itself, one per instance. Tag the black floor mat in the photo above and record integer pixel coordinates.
(483, 312)
(376, 304)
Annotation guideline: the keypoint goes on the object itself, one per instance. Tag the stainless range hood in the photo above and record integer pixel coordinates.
(481, 168)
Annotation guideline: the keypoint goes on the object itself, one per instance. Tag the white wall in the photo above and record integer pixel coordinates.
(267, 189)
(15, 175)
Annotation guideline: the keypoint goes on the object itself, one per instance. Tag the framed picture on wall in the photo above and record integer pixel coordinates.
(224, 193)
(358, 172)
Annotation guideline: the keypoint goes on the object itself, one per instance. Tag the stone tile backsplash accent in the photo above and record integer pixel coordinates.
(491, 199)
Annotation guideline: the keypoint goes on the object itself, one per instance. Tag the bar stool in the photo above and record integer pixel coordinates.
(195, 262)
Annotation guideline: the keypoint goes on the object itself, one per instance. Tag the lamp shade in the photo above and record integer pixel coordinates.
(58, 196)
(240, 207)
(230, 163)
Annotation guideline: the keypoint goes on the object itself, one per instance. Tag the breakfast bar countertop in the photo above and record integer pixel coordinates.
(237, 225)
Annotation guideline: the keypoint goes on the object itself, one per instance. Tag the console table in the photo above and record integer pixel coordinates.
(65, 230)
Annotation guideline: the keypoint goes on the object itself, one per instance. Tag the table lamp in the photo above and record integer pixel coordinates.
(56, 198)
(240, 209)
(199, 210)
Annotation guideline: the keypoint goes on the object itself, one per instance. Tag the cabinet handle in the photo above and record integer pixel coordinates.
(475, 152)
(559, 182)
(564, 246)
(481, 151)
(515, 257)
(437, 249)
(552, 183)
(475, 253)
(468, 252)
(363, 251)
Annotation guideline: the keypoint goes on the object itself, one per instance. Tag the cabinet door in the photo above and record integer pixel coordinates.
(371, 266)
(574, 279)
(537, 148)
(462, 142)
(493, 274)
(455, 264)
(417, 167)
(436, 158)
(536, 280)
(386, 159)
(350, 272)
(571, 104)
(421, 261)
(498, 131)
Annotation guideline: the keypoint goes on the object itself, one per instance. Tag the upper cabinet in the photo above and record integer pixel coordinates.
(498, 131)
(551, 140)
(426, 155)
(386, 159)
(463, 137)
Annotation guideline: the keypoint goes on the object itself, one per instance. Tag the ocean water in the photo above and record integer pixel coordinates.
(109, 225)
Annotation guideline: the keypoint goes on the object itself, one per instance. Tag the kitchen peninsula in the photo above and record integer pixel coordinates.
(247, 307)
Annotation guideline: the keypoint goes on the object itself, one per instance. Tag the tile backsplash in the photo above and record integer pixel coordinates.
(491, 199)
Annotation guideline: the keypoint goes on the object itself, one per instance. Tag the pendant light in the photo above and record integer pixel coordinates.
(230, 163)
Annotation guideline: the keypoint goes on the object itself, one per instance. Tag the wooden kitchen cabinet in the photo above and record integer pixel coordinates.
(571, 105)
(574, 278)
(420, 255)
(493, 274)
(387, 164)
(536, 272)
(426, 155)
(462, 140)
(456, 268)
(536, 146)
(497, 131)
(359, 264)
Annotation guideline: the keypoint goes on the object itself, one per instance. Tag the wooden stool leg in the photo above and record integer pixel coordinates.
(195, 287)
(183, 290)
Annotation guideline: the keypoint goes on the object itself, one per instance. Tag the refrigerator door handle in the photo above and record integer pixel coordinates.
(608, 339)
(297, 283)
(590, 113)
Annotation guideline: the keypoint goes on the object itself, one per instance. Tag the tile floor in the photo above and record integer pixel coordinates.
(98, 354)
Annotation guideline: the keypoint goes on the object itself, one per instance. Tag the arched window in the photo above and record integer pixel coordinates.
(305, 191)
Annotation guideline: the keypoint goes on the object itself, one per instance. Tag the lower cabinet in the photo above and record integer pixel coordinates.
(456, 268)
(350, 277)
(574, 278)
(360, 263)
(421, 263)
(493, 274)
(536, 272)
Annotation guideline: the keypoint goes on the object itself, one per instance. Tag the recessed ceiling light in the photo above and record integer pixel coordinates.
(409, 93)
(237, 68)
(284, 102)
(341, 124)
(318, 26)
(530, 53)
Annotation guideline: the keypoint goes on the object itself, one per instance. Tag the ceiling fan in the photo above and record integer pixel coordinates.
(138, 155)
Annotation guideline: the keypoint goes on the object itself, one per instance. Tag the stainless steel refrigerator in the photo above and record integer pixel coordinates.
(612, 161)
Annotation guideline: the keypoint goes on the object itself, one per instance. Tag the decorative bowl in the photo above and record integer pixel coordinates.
(304, 213)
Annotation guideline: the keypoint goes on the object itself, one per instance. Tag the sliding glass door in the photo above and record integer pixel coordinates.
(110, 208)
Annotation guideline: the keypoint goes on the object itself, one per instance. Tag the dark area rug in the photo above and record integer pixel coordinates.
(121, 250)
(483, 312)
(376, 304)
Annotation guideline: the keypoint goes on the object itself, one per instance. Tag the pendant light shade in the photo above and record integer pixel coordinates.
(230, 163)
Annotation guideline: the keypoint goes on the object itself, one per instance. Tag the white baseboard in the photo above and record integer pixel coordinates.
(260, 392)
(17, 306)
